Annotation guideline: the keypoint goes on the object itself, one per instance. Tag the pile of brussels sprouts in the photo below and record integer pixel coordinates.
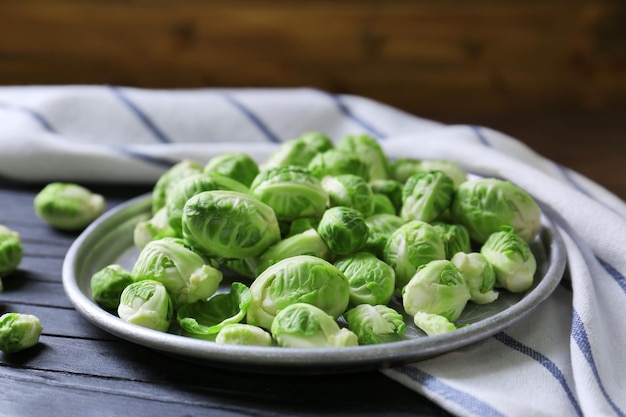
(332, 245)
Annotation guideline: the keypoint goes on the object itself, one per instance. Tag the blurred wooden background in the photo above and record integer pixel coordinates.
(551, 73)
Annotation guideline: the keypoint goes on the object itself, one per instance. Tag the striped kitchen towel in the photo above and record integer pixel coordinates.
(565, 358)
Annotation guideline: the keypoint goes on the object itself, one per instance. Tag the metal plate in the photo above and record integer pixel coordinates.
(110, 240)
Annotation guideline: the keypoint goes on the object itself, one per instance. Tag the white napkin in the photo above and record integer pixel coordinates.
(566, 358)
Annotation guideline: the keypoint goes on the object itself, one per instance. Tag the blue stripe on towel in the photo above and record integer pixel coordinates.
(617, 276)
(544, 361)
(479, 135)
(255, 119)
(164, 162)
(343, 108)
(468, 402)
(38, 117)
(579, 334)
(142, 116)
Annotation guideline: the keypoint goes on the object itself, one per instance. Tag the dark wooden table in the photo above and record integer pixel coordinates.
(78, 370)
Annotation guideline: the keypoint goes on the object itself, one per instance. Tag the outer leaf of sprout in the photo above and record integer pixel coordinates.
(302, 225)
(343, 229)
(335, 162)
(370, 151)
(382, 205)
(243, 334)
(19, 331)
(426, 196)
(146, 303)
(238, 166)
(300, 151)
(371, 280)
(11, 251)
(479, 274)
(170, 177)
(375, 324)
(349, 191)
(153, 228)
(303, 325)
(380, 227)
(68, 206)
(455, 238)
(454, 171)
(433, 324)
(390, 188)
(437, 287)
(305, 243)
(402, 168)
(108, 283)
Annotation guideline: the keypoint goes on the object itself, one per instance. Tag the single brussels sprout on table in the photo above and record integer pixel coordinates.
(343, 229)
(108, 283)
(455, 238)
(308, 242)
(371, 280)
(335, 162)
(485, 205)
(299, 279)
(426, 196)
(19, 331)
(512, 260)
(68, 206)
(238, 166)
(375, 324)
(370, 151)
(292, 192)
(147, 304)
(349, 191)
(437, 287)
(183, 271)
(479, 274)
(153, 228)
(229, 225)
(170, 177)
(243, 334)
(303, 325)
(433, 324)
(11, 250)
(300, 151)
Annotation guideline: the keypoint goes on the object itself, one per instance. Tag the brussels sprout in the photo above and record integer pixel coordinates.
(291, 191)
(245, 267)
(191, 185)
(204, 319)
(302, 325)
(302, 225)
(369, 150)
(479, 275)
(183, 271)
(433, 324)
(335, 162)
(305, 243)
(68, 206)
(299, 279)
(437, 287)
(243, 334)
(403, 168)
(392, 189)
(147, 304)
(380, 227)
(235, 165)
(19, 331)
(11, 250)
(371, 280)
(455, 238)
(511, 259)
(413, 244)
(485, 205)
(375, 324)
(108, 283)
(154, 228)
(300, 151)
(382, 205)
(228, 224)
(170, 177)
(426, 196)
(343, 229)
(349, 191)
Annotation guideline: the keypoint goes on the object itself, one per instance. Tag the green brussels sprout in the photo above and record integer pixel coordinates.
(205, 319)
(403, 168)
(183, 271)
(426, 196)
(375, 324)
(511, 259)
(19, 331)
(243, 334)
(147, 304)
(108, 283)
(370, 151)
(305, 243)
(170, 177)
(400, 169)
(433, 324)
(303, 325)
(485, 205)
(455, 238)
(291, 191)
(479, 275)
(349, 191)
(380, 227)
(191, 185)
(437, 287)
(153, 228)
(383, 205)
(235, 165)
(245, 267)
(335, 162)
(299, 279)
(413, 244)
(228, 224)
(11, 250)
(371, 280)
(68, 206)
(302, 225)
(392, 189)
(343, 229)
(300, 151)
